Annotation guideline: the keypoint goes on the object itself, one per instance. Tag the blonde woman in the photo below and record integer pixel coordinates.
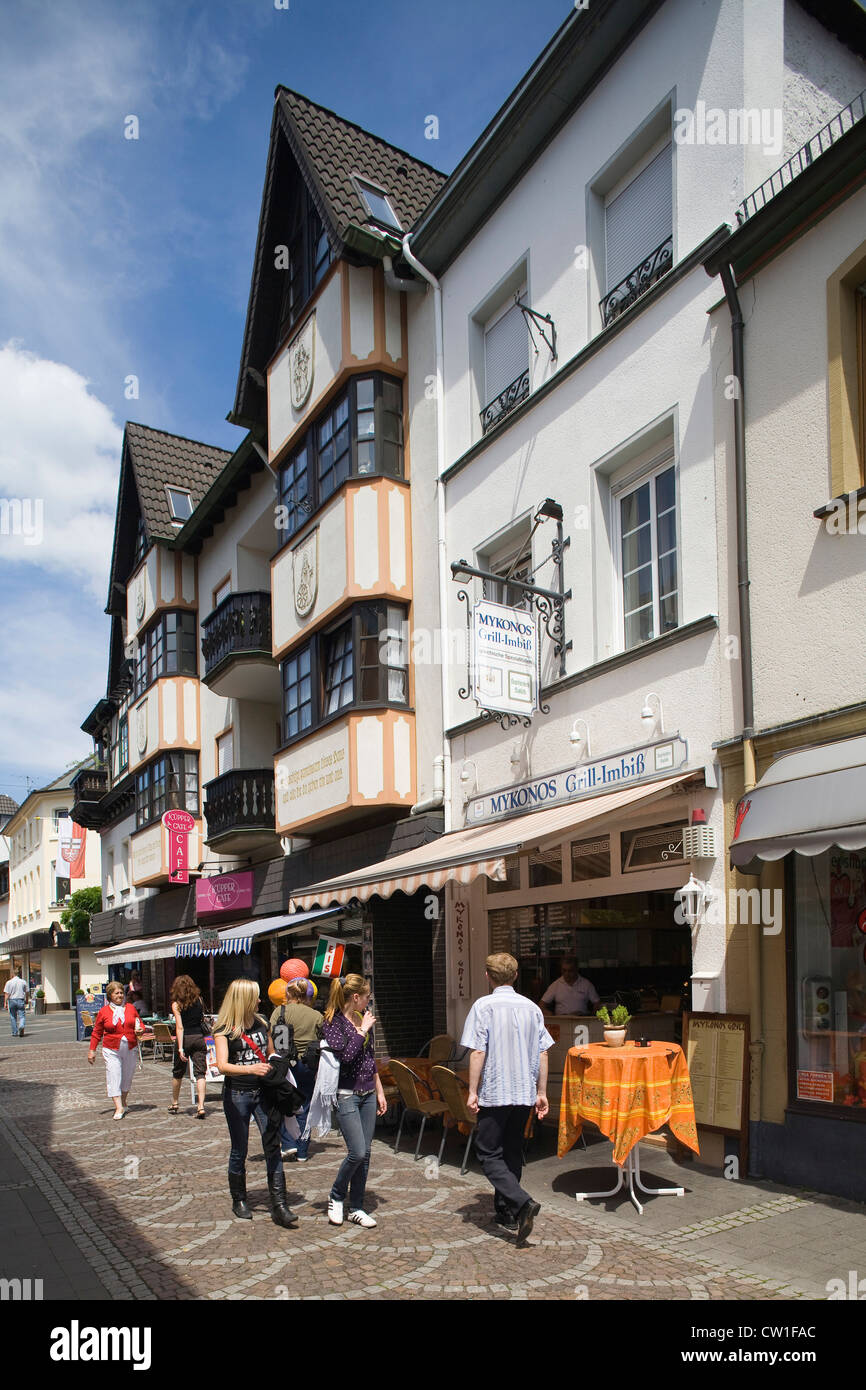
(243, 1045)
(348, 1031)
(116, 1024)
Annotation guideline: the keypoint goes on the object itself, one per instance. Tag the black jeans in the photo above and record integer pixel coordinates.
(499, 1146)
(238, 1105)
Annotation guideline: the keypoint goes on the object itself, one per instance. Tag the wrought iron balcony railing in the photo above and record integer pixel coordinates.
(239, 626)
(815, 146)
(242, 799)
(505, 402)
(637, 282)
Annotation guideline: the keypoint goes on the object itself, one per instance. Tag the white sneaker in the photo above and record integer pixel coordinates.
(361, 1218)
(335, 1212)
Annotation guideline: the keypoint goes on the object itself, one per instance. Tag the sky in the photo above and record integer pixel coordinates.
(130, 258)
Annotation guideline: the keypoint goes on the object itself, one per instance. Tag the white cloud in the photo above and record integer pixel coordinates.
(59, 456)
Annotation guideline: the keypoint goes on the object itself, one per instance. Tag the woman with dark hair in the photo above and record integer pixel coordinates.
(348, 1032)
(188, 1010)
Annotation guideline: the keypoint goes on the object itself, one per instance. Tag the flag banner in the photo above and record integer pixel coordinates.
(71, 839)
(329, 957)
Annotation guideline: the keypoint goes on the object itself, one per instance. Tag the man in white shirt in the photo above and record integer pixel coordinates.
(572, 993)
(507, 1077)
(17, 998)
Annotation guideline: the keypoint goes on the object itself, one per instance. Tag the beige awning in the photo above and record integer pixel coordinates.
(480, 849)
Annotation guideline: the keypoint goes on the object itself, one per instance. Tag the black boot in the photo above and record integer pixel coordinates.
(280, 1213)
(238, 1189)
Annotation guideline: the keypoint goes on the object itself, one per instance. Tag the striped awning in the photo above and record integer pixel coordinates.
(239, 946)
(480, 849)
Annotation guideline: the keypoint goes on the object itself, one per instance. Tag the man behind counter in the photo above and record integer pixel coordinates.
(572, 993)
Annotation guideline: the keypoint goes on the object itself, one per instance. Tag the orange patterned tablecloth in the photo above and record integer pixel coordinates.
(628, 1092)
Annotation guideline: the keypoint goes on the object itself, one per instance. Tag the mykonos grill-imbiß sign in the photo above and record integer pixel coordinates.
(505, 659)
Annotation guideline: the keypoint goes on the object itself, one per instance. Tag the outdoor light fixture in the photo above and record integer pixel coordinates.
(516, 755)
(466, 775)
(653, 720)
(549, 511)
(580, 739)
(693, 898)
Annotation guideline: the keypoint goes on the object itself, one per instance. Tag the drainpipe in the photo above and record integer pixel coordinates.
(434, 802)
(756, 1002)
(440, 517)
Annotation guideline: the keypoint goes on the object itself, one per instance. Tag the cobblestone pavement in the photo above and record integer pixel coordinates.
(140, 1210)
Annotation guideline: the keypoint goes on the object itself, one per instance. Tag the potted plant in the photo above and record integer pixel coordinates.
(40, 1001)
(615, 1024)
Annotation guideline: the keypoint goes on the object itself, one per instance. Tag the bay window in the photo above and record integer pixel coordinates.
(168, 648)
(361, 661)
(169, 783)
(359, 435)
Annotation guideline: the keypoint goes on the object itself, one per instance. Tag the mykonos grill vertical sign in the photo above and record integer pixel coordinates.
(505, 659)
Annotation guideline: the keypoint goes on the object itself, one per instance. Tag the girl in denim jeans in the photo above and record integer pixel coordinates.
(348, 1031)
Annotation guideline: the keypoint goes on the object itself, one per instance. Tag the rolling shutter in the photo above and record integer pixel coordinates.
(639, 218)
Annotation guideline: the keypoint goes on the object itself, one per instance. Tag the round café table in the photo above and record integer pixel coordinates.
(628, 1092)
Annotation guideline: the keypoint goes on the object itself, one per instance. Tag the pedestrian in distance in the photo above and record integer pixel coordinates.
(306, 1025)
(17, 998)
(188, 1010)
(507, 1078)
(117, 1024)
(348, 1032)
(243, 1045)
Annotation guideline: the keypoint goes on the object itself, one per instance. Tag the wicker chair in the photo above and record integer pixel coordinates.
(163, 1038)
(407, 1085)
(453, 1091)
(439, 1049)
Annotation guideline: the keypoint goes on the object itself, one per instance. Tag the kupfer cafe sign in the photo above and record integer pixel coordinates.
(645, 763)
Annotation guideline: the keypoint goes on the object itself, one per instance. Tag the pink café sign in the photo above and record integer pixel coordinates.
(224, 893)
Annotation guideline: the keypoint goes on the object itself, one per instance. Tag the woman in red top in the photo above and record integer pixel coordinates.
(117, 1025)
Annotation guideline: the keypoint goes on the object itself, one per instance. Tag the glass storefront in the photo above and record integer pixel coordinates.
(829, 979)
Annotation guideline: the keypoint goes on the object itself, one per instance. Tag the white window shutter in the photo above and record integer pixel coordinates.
(639, 218)
(506, 352)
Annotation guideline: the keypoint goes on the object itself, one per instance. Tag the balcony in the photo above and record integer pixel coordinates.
(802, 158)
(236, 646)
(239, 809)
(505, 402)
(637, 282)
(89, 787)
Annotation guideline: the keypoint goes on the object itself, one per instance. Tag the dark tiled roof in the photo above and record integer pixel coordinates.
(7, 806)
(334, 149)
(159, 459)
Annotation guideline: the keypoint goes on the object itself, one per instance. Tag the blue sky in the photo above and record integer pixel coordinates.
(124, 258)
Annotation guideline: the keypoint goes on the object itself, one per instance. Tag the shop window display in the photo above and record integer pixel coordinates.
(830, 979)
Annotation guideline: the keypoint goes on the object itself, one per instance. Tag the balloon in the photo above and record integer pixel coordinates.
(277, 992)
(292, 969)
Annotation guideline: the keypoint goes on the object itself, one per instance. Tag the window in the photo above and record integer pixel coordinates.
(168, 783)
(179, 504)
(513, 561)
(141, 545)
(378, 207)
(222, 591)
(361, 661)
(828, 1065)
(506, 352)
(339, 669)
(361, 434)
(638, 218)
(657, 848)
(57, 815)
(861, 375)
(124, 743)
(169, 648)
(225, 756)
(309, 256)
(648, 558)
(297, 693)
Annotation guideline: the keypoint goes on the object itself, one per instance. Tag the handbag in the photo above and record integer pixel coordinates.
(278, 1093)
(291, 1050)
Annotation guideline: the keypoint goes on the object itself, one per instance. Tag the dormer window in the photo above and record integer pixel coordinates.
(378, 207)
(179, 504)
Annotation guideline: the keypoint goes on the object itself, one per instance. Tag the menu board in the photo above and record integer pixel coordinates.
(717, 1053)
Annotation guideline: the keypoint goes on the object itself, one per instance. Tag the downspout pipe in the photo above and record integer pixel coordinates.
(756, 989)
(440, 516)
